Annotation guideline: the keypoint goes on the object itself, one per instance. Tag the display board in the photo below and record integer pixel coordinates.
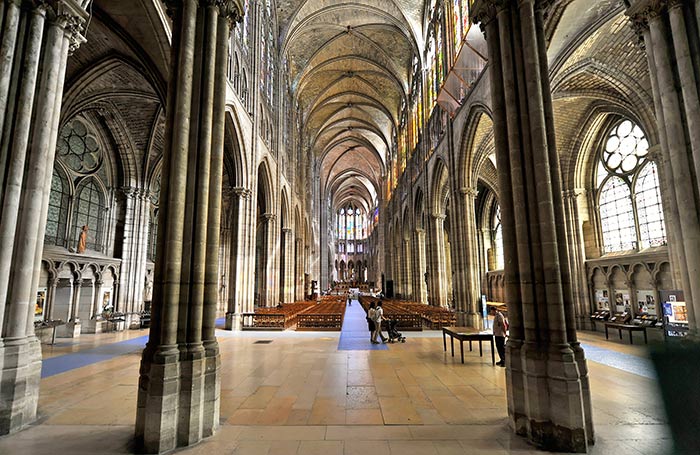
(675, 313)
(622, 301)
(646, 303)
(602, 299)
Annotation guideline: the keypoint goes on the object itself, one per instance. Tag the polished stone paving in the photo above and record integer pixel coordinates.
(300, 394)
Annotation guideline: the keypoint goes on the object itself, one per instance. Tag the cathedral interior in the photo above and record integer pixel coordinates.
(200, 199)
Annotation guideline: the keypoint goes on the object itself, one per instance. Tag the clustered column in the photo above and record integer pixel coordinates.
(35, 40)
(671, 43)
(547, 382)
(437, 292)
(467, 280)
(178, 394)
(419, 285)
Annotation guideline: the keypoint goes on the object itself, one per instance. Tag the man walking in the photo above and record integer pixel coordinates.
(500, 327)
(378, 317)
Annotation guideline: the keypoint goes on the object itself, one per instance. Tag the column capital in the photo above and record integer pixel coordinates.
(485, 11)
(287, 230)
(241, 192)
(78, 282)
(654, 154)
(469, 191)
(438, 216)
(71, 16)
(420, 231)
(231, 10)
(573, 193)
(269, 217)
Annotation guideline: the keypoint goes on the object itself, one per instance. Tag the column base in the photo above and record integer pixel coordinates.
(158, 400)
(555, 414)
(20, 375)
(212, 389)
(233, 322)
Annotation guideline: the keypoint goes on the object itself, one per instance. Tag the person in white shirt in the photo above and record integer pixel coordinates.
(500, 328)
(370, 323)
(378, 317)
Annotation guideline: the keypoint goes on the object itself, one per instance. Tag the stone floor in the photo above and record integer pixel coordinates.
(300, 394)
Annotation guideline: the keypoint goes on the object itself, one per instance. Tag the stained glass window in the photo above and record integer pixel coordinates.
(649, 209)
(81, 157)
(58, 211)
(89, 211)
(498, 238)
(78, 148)
(628, 223)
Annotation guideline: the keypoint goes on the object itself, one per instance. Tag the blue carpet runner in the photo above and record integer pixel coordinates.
(355, 336)
(62, 363)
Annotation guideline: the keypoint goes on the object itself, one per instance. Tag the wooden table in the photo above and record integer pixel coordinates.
(467, 334)
(629, 327)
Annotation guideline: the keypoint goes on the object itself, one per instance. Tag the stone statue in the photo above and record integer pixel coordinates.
(82, 240)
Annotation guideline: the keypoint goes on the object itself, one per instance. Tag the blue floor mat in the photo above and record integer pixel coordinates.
(354, 335)
(62, 363)
(625, 362)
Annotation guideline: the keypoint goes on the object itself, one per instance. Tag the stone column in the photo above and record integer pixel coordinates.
(437, 293)
(577, 255)
(97, 287)
(135, 248)
(288, 279)
(75, 301)
(669, 43)
(466, 252)
(239, 300)
(50, 298)
(267, 286)
(546, 375)
(407, 256)
(420, 291)
(299, 278)
(178, 392)
(36, 39)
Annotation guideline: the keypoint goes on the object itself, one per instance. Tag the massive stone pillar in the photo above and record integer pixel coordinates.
(547, 379)
(671, 41)
(35, 40)
(178, 392)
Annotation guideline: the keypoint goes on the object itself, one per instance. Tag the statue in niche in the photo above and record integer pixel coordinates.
(82, 239)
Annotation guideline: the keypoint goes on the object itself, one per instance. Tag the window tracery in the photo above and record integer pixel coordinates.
(629, 199)
(80, 154)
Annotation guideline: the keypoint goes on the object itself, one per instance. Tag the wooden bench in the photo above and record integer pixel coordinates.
(629, 327)
(467, 334)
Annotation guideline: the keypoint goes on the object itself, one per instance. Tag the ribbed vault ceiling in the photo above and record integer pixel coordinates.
(350, 64)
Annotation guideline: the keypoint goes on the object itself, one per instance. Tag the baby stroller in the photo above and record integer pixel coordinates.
(395, 335)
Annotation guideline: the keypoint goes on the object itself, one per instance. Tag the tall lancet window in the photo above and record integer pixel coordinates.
(629, 200)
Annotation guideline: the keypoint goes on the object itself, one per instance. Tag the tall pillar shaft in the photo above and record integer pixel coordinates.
(437, 290)
(674, 75)
(419, 285)
(547, 383)
(34, 46)
(178, 395)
